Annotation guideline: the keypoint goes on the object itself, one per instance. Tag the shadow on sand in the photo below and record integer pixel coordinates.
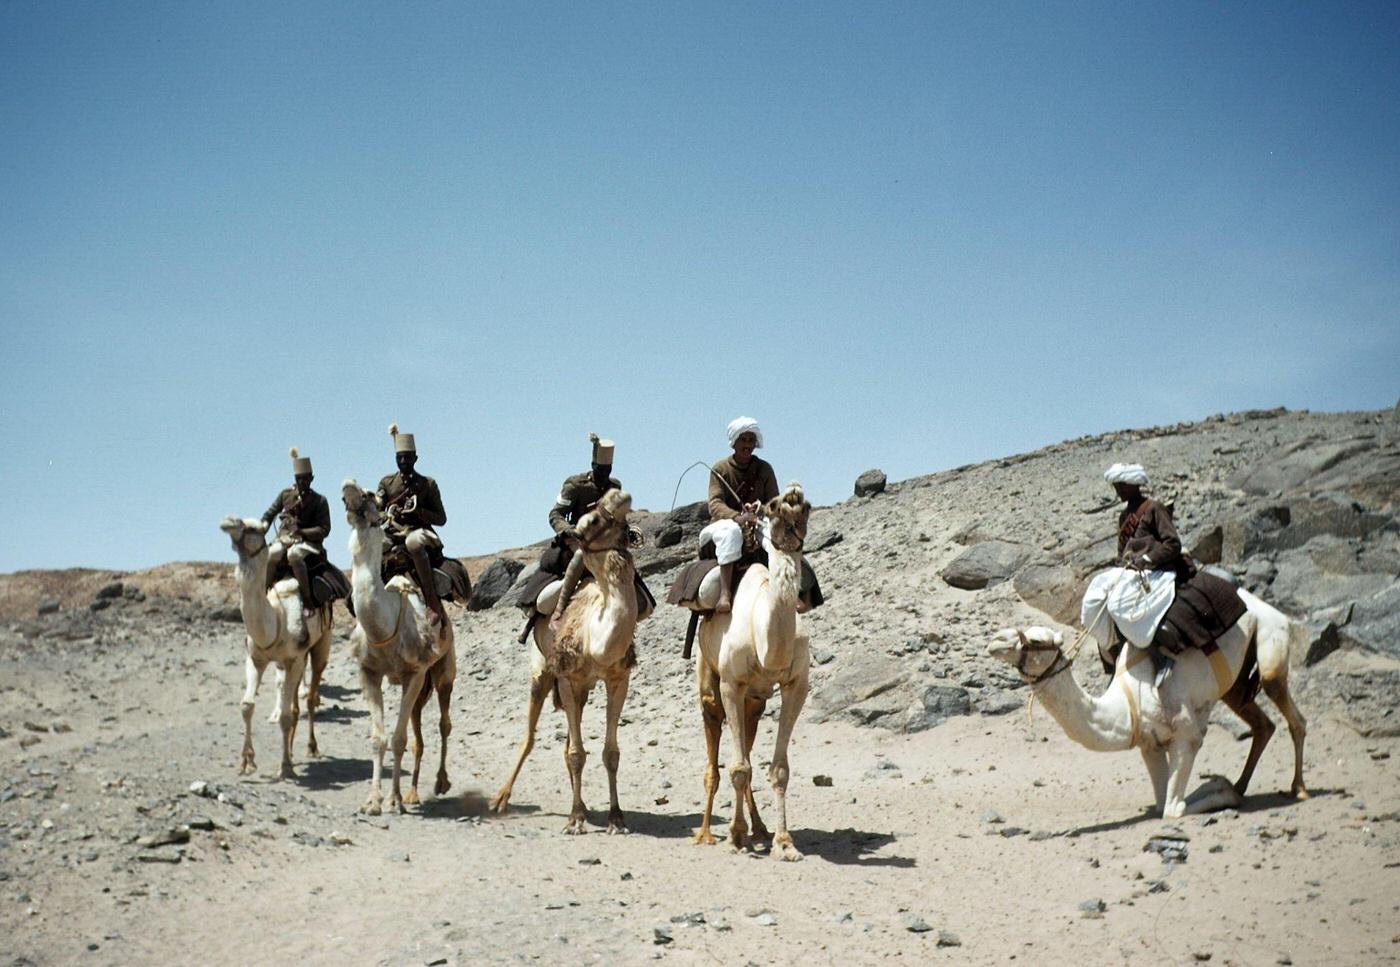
(849, 847)
(1253, 803)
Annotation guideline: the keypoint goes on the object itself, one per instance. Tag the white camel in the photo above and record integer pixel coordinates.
(593, 642)
(1168, 724)
(744, 654)
(393, 639)
(281, 632)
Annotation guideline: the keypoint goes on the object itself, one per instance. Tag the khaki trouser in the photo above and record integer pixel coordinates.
(297, 554)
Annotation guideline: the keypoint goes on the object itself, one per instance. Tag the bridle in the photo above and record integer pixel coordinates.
(1060, 665)
(261, 539)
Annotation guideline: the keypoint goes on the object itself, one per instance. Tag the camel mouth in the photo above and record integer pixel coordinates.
(231, 525)
(1005, 646)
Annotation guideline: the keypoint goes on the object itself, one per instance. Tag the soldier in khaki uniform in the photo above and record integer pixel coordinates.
(413, 507)
(303, 523)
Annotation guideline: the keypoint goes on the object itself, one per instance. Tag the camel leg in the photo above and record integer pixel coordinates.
(1181, 756)
(1277, 690)
(539, 690)
(712, 714)
(740, 771)
(411, 687)
(794, 696)
(416, 720)
(1156, 761)
(1260, 731)
(574, 755)
(444, 697)
(252, 678)
(275, 716)
(372, 685)
(753, 709)
(287, 705)
(617, 696)
(320, 654)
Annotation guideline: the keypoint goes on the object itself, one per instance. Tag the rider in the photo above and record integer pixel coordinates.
(413, 508)
(1148, 541)
(303, 522)
(739, 484)
(602, 528)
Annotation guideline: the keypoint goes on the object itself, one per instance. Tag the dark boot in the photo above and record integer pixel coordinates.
(303, 582)
(424, 572)
(530, 620)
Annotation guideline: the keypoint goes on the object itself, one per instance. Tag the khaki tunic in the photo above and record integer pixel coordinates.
(428, 512)
(577, 496)
(755, 483)
(312, 517)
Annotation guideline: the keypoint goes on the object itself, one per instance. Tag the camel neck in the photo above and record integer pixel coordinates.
(1103, 724)
(375, 608)
(779, 603)
(259, 616)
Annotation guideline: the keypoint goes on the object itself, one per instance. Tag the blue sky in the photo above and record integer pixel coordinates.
(905, 236)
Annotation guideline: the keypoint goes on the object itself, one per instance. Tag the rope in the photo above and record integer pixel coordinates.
(702, 463)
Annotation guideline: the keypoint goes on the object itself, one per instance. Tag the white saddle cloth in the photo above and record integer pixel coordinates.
(1137, 611)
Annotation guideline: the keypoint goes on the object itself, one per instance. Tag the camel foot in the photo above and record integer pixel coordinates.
(396, 805)
(411, 797)
(703, 837)
(577, 825)
(784, 849)
(738, 843)
(501, 804)
(275, 717)
(313, 751)
(616, 824)
(373, 806)
(286, 771)
(442, 785)
(760, 832)
(246, 767)
(1300, 791)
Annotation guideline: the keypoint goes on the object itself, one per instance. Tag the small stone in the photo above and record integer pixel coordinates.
(690, 919)
(108, 591)
(201, 788)
(946, 938)
(159, 857)
(1284, 960)
(338, 838)
(1010, 831)
(766, 920)
(1201, 956)
(625, 877)
(1092, 909)
(870, 483)
(991, 816)
(307, 839)
(398, 858)
(590, 861)
(914, 923)
(173, 835)
(661, 935)
(101, 604)
(821, 780)
(48, 607)
(202, 823)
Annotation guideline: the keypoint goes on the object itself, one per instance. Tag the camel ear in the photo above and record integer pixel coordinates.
(1059, 640)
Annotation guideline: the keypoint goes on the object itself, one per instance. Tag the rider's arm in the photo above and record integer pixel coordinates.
(770, 484)
(1164, 545)
(719, 506)
(321, 526)
(271, 513)
(559, 513)
(430, 509)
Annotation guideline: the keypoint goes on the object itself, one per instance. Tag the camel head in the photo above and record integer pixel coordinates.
(1032, 652)
(361, 506)
(616, 504)
(787, 515)
(249, 537)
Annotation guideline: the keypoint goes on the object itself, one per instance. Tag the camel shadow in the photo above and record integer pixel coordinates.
(850, 847)
(338, 693)
(662, 825)
(339, 713)
(329, 772)
(472, 804)
(1253, 803)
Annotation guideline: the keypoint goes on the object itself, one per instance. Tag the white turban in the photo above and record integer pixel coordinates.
(1128, 473)
(744, 424)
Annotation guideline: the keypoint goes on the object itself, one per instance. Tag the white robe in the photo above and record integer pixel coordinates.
(1137, 611)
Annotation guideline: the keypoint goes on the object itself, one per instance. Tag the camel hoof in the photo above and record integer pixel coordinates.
(501, 804)
(441, 786)
(313, 752)
(761, 834)
(784, 850)
(372, 807)
(576, 826)
(616, 824)
(1300, 791)
(411, 798)
(286, 771)
(397, 806)
(703, 838)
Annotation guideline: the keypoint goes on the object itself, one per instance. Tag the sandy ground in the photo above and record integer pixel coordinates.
(904, 835)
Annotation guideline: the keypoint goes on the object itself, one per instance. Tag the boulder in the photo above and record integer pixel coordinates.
(109, 591)
(511, 599)
(1055, 589)
(1297, 465)
(670, 534)
(493, 583)
(936, 705)
(1375, 621)
(48, 607)
(870, 483)
(697, 513)
(984, 564)
(228, 612)
(1308, 579)
(1209, 545)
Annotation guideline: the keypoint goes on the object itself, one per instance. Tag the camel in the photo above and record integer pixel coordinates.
(744, 654)
(1168, 724)
(393, 639)
(592, 642)
(281, 632)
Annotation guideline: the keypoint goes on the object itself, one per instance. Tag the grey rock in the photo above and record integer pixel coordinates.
(49, 606)
(946, 938)
(109, 591)
(494, 582)
(1055, 589)
(984, 564)
(1092, 909)
(166, 837)
(992, 816)
(1375, 621)
(821, 780)
(201, 823)
(997, 701)
(1209, 545)
(304, 838)
(870, 483)
(937, 704)
(914, 923)
(669, 535)
(661, 935)
(101, 604)
(228, 612)
(511, 599)
(1296, 465)
(1324, 643)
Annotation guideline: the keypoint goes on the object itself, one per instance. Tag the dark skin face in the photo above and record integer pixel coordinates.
(405, 462)
(744, 447)
(601, 473)
(304, 482)
(1128, 492)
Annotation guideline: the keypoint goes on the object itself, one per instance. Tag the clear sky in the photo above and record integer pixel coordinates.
(901, 235)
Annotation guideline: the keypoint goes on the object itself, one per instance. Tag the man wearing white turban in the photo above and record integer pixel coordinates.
(738, 485)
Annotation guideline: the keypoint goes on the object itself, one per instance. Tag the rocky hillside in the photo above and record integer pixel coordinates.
(1301, 506)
